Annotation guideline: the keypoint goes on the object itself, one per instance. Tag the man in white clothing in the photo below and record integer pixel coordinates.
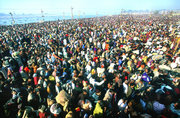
(88, 67)
(125, 86)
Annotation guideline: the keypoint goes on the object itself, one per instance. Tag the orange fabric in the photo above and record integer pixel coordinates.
(26, 69)
(142, 66)
(107, 47)
(35, 69)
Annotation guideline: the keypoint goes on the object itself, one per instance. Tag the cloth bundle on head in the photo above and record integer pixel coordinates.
(100, 71)
(51, 78)
(158, 107)
(111, 68)
(62, 97)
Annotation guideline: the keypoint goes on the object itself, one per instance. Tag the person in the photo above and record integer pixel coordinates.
(118, 62)
(55, 110)
(174, 107)
(10, 106)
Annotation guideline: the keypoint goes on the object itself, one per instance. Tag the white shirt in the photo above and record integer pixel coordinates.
(103, 45)
(108, 96)
(178, 61)
(121, 104)
(57, 89)
(86, 56)
(94, 83)
(93, 64)
(44, 84)
(65, 42)
(88, 68)
(125, 86)
(123, 57)
(111, 68)
(90, 40)
(100, 71)
(99, 45)
(40, 82)
(57, 79)
(82, 53)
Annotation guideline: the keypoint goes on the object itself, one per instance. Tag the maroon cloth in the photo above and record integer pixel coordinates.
(177, 91)
(138, 64)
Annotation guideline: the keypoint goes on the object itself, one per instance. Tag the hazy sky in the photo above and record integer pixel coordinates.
(88, 7)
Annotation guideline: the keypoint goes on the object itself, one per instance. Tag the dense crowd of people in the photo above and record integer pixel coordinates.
(123, 66)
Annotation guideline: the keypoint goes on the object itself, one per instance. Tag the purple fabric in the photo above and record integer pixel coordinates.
(145, 77)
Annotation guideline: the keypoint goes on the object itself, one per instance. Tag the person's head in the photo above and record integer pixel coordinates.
(14, 92)
(42, 108)
(98, 92)
(126, 81)
(84, 83)
(55, 70)
(177, 105)
(57, 84)
(146, 70)
(130, 103)
(132, 85)
(135, 61)
(97, 60)
(103, 76)
(84, 92)
(75, 72)
(109, 85)
(90, 86)
(93, 72)
(89, 63)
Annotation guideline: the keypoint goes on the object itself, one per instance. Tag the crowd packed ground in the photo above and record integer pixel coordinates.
(125, 66)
